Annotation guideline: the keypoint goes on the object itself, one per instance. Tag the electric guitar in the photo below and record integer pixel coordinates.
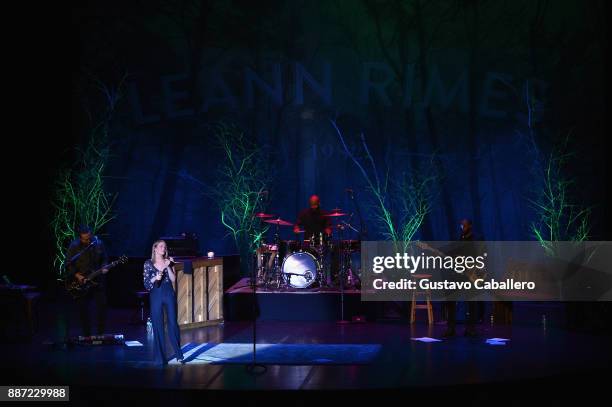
(78, 289)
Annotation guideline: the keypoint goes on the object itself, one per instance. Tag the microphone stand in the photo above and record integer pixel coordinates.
(342, 276)
(361, 235)
(353, 275)
(255, 368)
(362, 228)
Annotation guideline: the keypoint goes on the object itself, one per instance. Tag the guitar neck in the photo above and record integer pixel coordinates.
(99, 271)
(425, 246)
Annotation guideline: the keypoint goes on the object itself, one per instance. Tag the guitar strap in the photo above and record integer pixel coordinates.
(79, 254)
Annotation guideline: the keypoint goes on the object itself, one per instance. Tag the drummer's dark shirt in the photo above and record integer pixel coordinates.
(313, 222)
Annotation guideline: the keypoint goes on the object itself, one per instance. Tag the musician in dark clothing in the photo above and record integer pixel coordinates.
(313, 221)
(88, 254)
(475, 308)
(318, 229)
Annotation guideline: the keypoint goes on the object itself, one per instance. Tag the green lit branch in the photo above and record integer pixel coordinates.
(240, 188)
(411, 196)
(79, 195)
(557, 217)
(79, 199)
(415, 193)
(382, 213)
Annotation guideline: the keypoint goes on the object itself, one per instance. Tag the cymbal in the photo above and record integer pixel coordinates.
(334, 213)
(278, 222)
(262, 215)
(299, 231)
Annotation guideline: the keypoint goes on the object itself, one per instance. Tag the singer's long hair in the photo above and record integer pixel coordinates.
(153, 250)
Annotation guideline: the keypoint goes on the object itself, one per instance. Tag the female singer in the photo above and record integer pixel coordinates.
(158, 278)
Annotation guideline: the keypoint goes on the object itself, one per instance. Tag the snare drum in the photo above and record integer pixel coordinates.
(268, 248)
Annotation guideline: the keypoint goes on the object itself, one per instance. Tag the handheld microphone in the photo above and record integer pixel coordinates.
(158, 282)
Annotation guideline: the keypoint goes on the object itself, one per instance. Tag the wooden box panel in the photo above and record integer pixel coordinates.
(200, 295)
(184, 297)
(215, 292)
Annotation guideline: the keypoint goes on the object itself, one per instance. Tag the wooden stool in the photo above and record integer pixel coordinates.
(502, 312)
(427, 305)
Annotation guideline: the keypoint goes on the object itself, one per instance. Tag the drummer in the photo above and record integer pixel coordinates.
(313, 221)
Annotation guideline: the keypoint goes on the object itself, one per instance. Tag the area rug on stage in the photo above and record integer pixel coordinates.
(279, 354)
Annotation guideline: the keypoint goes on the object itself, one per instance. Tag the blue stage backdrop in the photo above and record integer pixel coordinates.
(481, 98)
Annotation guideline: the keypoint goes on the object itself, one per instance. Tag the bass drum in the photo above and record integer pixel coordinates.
(300, 269)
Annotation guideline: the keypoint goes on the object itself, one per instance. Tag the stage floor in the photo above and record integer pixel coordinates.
(533, 353)
(243, 287)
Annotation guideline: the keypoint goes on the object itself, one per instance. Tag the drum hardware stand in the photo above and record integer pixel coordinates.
(319, 260)
(325, 251)
(261, 269)
(277, 272)
(351, 275)
(363, 232)
(341, 277)
(277, 279)
(321, 276)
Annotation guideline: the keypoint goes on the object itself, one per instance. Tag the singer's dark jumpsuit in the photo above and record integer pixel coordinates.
(162, 296)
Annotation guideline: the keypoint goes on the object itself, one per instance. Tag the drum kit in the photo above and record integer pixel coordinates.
(316, 261)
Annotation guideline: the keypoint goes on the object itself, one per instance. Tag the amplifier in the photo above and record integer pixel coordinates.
(184, 245)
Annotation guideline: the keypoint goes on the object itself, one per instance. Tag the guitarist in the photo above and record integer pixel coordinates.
(88, 254)
(475, 308)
